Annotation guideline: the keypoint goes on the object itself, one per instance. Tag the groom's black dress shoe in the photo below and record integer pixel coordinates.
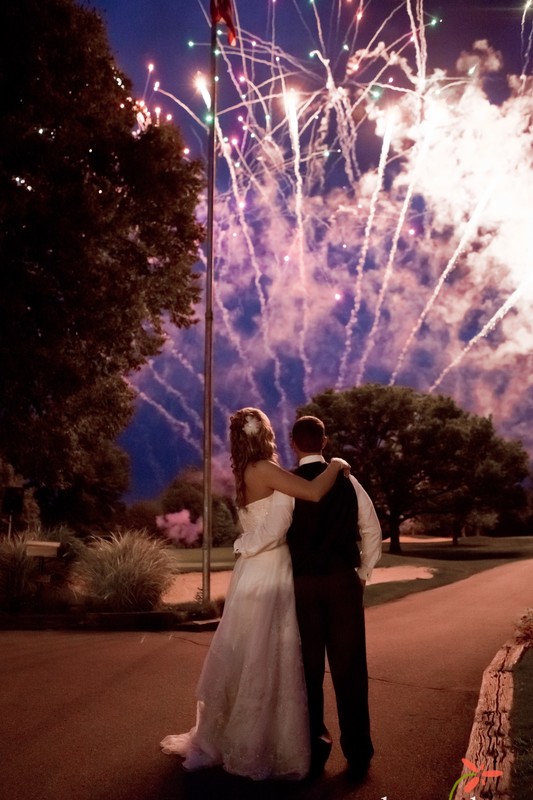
(358, 768)
(320, 751)
(316, 769)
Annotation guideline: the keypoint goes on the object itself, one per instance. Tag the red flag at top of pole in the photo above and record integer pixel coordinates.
(221, 10)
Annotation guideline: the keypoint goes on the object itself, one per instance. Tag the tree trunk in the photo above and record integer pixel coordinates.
(394, 546)
(456, 535)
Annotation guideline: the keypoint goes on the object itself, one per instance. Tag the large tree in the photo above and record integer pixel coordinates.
(421, 454)
(97, 240)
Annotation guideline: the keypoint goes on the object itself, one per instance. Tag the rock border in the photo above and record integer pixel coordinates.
(490, 744)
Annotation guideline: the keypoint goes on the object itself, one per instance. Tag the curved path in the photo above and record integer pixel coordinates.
(81, 714)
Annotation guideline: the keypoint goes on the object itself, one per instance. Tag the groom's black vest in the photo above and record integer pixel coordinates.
(323, 537)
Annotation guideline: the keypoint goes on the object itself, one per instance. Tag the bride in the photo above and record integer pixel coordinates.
(251, 698)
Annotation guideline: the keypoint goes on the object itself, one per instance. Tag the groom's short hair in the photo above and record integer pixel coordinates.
(308, 434)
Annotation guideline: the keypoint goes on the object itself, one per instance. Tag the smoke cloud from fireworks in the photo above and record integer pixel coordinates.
(178, 527)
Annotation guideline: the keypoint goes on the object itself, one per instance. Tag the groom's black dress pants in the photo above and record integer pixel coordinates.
(331, 620)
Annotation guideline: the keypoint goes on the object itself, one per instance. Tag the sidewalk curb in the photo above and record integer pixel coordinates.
(490, 743)
(149, 621)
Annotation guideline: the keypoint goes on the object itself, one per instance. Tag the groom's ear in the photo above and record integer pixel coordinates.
(324, 442)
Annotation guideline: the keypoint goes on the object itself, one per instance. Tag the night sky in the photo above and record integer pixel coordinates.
(373, 213)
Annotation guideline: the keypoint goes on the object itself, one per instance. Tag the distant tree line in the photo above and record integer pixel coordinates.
(421, 457)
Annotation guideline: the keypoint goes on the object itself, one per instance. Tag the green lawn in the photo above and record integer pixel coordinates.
(451, 563)
(190, 559)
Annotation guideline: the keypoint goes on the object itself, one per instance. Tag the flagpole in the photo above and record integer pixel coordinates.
(208, 346)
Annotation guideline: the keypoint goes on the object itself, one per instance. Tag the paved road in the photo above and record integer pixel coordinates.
(81, 714)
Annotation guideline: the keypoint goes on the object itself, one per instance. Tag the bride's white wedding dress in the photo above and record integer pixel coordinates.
(252, 705)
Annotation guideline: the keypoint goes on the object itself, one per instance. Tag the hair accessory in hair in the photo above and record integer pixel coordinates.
(252, 425)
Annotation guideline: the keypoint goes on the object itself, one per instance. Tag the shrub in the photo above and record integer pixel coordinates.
(186, 494)
(18, 574)
(126, 572)
(26, 583)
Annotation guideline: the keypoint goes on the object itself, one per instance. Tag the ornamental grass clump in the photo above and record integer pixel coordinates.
(18, 574)
(127, 571)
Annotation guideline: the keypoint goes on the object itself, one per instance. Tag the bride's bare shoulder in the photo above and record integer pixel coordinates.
(256, 479)
(257, 473)
(264, 466)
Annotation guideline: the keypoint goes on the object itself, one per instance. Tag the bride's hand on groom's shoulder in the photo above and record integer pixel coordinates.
(342, 465)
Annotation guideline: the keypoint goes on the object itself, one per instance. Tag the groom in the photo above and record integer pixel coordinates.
(334, 548)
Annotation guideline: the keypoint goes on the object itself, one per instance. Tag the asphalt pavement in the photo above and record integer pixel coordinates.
(82, 713)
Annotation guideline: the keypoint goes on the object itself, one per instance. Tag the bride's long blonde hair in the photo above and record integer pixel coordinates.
(251, 439)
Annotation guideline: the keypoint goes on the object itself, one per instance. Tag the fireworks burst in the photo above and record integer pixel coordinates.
(373, 223)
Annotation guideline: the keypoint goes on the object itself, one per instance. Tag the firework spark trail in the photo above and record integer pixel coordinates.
(149, 73)
(175, 393)
(291, 106)
(346, 128)
(390, 263)
(358, 295)
(373, 52)
(298, 203)
(232, 337)
(193, 414)
(382, 53)
(183, 106)
(491, 324)
(353, 28)
(347, 136)
(236, 342)
(225, 316)
(257, 281)
(182, 429)
(419, 40)
(186, 364)
(450, 266)
(315, 177)
(526, 49)
(319, 28)
(238, 195)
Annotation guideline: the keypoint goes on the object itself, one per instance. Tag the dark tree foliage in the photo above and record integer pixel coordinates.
(97, 242)
(419, 454)
(142, 516)
(91, 502)
(18, 507)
